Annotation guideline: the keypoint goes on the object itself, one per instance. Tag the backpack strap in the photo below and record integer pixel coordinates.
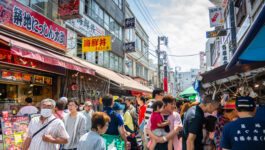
(43, 127)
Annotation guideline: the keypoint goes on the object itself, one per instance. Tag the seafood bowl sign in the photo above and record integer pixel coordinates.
(21, 19)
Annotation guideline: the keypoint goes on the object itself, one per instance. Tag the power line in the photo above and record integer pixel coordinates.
(151, 18)
(183, 55)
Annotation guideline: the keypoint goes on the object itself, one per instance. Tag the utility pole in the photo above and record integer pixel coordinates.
(233, 26)
(158, 63)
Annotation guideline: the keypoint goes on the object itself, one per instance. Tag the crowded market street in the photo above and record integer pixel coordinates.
(132, 75)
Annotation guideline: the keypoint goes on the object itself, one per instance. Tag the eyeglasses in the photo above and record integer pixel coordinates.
(47, 106)
(71, 105)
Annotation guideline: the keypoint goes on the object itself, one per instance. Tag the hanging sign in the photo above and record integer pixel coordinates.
(215, 33)
(216, 16)
(93, 44)
(130, 47)
(68, 9)
(129, 23)
(22, 19)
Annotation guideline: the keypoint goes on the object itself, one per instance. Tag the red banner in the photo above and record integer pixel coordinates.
(68, 9)
(19, 18)
(165, 85)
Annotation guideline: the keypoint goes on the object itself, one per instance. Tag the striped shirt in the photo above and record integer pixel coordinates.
(56, 128)
(148, 113)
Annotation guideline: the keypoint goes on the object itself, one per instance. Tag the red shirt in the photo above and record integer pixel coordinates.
(156, 118)
(141, 113)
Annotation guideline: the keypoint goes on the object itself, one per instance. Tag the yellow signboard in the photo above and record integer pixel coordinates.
(93, 44)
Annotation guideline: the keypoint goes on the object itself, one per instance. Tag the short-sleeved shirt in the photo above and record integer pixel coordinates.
(156, 118)
(128, 120)
(193, 123)
(141, 113)
(113, 125)
(244, 134)
(91, 140)
(27, 110)
(56, 128)
(175, 121)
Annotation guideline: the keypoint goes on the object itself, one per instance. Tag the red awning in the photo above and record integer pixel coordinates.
(28, 51)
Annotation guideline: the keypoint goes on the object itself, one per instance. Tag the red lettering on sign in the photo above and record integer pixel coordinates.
(102, 42)
(94, 42)
(87, 43)
(215, 17)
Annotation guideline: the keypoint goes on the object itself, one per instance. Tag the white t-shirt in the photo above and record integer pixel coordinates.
(27, 110)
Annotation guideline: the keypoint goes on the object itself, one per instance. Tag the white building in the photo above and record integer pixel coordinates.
(186, 79)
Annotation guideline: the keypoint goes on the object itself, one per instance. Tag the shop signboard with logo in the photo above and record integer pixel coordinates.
(93, 44)
(216, 16)
(69, 9)
(130, 47)
(129, 23)
(21, 19)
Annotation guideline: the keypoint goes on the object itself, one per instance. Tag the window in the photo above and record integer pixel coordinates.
(88, 7)
(145, 50)
(97, 13)
(128, 67)
(118, 3)
(106, 21)
(112, 61)
(116, 63)
(112, 26)
(120, 35)
(91, 57)
(120, 65)
(100, 58)
(137, 70)
(106, 59)
(117, 29)
(39, 5)
(25, 2)
(145, 73)
(138, 43)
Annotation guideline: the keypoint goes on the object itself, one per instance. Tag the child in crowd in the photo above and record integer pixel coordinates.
(158, 124)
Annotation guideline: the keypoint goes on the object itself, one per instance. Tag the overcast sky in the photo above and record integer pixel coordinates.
(185, 22)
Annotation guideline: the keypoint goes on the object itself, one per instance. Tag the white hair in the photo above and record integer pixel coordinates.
(48, 100)
(63, 99)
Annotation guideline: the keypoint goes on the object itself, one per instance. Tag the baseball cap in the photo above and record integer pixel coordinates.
(118, 106)
(245, 102)
(88, 103)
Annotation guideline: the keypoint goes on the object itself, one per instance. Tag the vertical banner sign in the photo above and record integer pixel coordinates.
(129, 23)
(93, 44)
(68, 9)
(23, 20)
(216, 16)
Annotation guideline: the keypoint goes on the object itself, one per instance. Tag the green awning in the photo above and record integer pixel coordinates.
(189, 92)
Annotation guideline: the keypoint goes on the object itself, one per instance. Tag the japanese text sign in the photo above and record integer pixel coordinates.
(21, 19)
(130, 47)
(86, 26)
(216, 16)
(129, 23)
(68, 9)
(92, 44)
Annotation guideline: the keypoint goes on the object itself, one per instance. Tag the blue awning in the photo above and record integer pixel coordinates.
(252, 47)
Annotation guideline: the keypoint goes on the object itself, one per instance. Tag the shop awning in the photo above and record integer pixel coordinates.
(188, 92)
(252, 47)
(123, 81)
(31, 52)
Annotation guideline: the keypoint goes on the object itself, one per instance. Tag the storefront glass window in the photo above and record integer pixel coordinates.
(137, 70)
(120, 33)
(128, 66)
(112, 26)
(145, 73)
(97, 13)
(106, 59)
(91, 57)
(8, 92)
(117, 30)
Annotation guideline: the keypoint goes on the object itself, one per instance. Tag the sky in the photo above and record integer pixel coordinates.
(184, 22)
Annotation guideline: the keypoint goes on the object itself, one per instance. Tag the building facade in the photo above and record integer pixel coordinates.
(245, 13)
(185, 80)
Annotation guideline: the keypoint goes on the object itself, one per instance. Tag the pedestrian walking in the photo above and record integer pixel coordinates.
(193, 123)
(45, 132)
(75, 124)
(116, 125)
(28, 109)
(92, 140)
(59, 110)
(245, 133)
(88, 112)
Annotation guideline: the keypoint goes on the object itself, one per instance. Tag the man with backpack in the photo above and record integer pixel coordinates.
(116, 125)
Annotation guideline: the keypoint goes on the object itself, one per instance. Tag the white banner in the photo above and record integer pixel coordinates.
(216, 16)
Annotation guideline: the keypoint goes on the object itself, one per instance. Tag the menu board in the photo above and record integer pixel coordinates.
(48, 80)
(38, 79)
(14, 132)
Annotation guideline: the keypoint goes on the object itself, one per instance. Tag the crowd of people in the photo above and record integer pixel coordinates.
(161, 123)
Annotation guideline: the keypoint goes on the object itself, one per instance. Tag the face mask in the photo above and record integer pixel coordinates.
(46, 113)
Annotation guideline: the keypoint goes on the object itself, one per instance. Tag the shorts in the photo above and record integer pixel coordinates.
(159, 132)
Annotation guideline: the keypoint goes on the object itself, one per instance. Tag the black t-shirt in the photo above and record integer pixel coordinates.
(193, 123)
